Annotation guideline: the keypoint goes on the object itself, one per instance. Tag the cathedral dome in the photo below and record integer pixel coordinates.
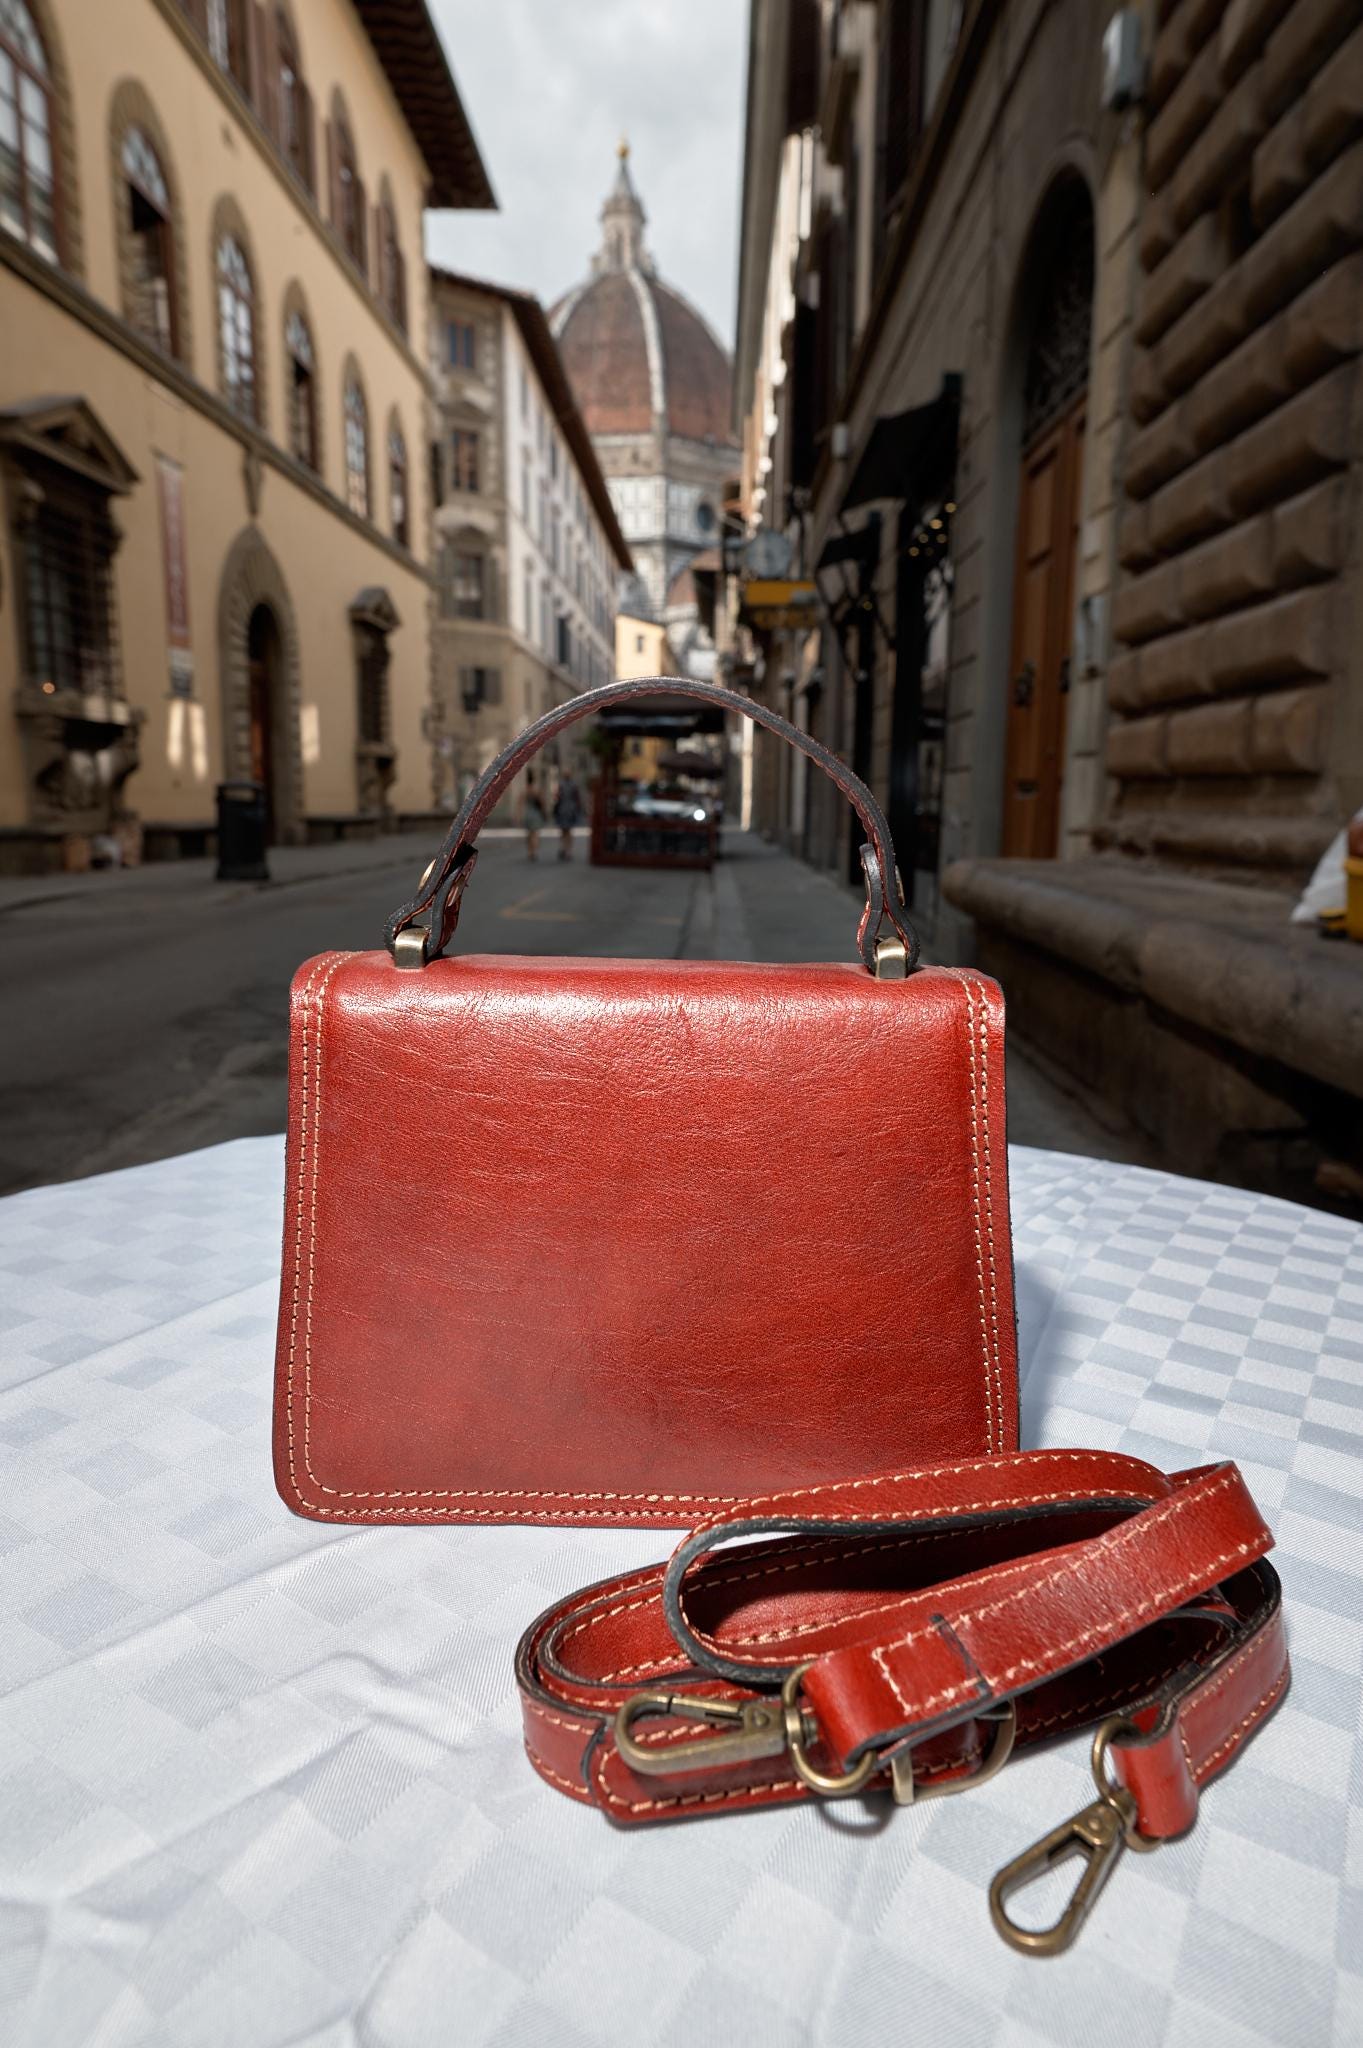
(635, 351)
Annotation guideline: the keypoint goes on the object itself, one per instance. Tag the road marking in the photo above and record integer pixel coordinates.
(520, 911)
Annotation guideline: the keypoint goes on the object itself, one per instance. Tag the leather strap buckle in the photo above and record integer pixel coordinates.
(909, 1793)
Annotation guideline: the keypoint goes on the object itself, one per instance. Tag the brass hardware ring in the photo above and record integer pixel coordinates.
(1111, 1789)
(825, 1783)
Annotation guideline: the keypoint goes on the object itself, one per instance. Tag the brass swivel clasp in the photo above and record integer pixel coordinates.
(1097, 1834)
(751, 1729)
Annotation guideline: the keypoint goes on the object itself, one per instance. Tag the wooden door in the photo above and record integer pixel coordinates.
(1043, 627)
(261, 645)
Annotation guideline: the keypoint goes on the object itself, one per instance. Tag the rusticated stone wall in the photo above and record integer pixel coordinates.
(1236, 691)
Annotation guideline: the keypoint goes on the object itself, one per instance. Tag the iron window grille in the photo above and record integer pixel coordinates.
(70, 636)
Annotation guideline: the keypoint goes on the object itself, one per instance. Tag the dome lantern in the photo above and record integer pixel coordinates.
(622, 223)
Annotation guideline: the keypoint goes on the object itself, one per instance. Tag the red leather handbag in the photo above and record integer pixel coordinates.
(613, 1241)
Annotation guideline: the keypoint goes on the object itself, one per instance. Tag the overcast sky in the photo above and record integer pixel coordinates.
(550, 87)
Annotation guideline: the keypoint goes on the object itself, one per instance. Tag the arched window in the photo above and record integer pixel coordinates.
(348, 201)
(237, 329)
(295, 103)
(399, 510)
(356, 449)
(151, 242)
(28, 199)
(302, 390)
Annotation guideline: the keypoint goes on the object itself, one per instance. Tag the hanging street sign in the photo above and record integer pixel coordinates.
(775, 604)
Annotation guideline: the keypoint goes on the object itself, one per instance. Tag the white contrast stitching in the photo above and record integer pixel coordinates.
(993, 1365)
(1028, 1666)
(991, 1438)
(564, 1784)
(1109, 1460)
(1205, 1769)
(740, 1793)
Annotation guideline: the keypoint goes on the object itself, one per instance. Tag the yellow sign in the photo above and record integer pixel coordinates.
(776, 602)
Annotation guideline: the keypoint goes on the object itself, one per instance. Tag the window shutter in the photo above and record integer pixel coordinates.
(437, 477)
(264, 67)
(305, 127)
(333, 188)
(197, 10)
(362, 225)
(400, 289)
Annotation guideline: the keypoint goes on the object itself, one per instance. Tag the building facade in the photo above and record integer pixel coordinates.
(654, 385)
(216, 534)
(1046, 374)
(529, 552)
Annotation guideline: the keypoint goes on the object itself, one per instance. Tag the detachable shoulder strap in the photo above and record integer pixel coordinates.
(913, 1630)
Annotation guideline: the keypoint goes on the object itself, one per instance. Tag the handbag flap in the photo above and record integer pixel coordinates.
(618, 1240)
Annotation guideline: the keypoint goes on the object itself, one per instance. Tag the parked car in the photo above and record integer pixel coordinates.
(659, 801)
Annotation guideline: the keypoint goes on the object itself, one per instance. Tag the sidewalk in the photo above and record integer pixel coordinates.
(288, 865)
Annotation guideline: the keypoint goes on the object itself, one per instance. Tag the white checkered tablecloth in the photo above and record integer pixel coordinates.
(261, 1780)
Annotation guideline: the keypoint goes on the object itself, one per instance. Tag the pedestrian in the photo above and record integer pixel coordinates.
(532, 817)
(567, 813)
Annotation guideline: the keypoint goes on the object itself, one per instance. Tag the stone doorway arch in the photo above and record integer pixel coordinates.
(258, 669)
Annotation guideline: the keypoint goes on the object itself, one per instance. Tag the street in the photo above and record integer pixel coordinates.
(143, 1012)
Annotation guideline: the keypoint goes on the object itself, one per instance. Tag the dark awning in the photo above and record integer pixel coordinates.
(701, 767)
(660, 715)
(910, 455)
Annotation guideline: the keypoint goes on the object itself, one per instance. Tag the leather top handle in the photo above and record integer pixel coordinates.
(430, 917)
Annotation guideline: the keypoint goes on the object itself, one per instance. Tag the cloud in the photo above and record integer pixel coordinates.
(550, 88)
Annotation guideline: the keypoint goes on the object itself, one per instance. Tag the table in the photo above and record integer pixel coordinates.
(261, 1779)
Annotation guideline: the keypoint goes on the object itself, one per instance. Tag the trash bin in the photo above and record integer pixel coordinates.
(241, 832)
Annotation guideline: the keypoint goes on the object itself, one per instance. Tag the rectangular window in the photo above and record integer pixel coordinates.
(464, 459)
(464, 584)
(461, 344)
(479, 686)
(529, 596)
(525, 487)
